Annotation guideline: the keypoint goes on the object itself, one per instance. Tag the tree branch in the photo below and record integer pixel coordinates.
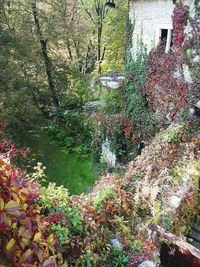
(87, 11)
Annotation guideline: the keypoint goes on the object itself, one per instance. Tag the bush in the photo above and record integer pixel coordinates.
(111, 101)
(73, 130)
(25, 233)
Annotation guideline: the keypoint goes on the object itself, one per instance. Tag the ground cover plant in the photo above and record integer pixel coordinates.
(109, 226)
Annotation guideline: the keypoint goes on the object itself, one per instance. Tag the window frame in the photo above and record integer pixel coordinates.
(169, 36)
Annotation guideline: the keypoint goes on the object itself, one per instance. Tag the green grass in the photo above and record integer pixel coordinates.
(69, 169)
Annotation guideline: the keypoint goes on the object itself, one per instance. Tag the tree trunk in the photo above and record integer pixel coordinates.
(69, 51)
(99, 41)
(46, 58)
(87, 56)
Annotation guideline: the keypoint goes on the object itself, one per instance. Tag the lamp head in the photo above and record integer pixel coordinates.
(110, 4)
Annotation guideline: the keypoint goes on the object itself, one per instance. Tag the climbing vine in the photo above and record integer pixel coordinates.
(179, 22)
(165, 86)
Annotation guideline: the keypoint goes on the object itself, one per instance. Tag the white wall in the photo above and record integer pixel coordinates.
(149, 16)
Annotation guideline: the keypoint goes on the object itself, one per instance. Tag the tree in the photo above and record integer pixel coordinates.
(47, 61)
(97, 11)
(109, 28)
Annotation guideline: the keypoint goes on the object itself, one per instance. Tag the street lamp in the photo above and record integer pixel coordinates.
(110, 4)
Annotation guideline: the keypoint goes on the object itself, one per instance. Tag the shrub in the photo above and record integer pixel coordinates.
(26, 237)
(55, 198)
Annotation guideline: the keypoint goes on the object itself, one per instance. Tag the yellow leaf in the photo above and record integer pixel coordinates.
(23, 194)
(50, 240)
(21, 230)
(25, 242)
(1, 204)
(25, 206)
(15, 197)
(24, 191)
(10, 245)
(37, 236)
(1, 162)
(7, 220)
(15, 189)
(14, 225)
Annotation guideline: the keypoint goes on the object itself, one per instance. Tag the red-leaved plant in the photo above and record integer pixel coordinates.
(25, 235)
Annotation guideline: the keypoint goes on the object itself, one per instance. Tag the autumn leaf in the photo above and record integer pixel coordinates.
(27, 257)
(11, 208)
(37, 236)
(7, 220)
(10, 245)
(48, 263)
(50, 240)
(1, 204)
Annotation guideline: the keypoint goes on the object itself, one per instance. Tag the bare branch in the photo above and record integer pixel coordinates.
(87, 11)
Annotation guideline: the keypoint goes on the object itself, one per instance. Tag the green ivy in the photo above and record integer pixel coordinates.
(136, 103)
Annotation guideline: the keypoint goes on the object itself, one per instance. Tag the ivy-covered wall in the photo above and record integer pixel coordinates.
(148, 18)
(171, 79)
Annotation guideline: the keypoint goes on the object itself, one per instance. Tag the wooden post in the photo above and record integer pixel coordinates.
(183, 246)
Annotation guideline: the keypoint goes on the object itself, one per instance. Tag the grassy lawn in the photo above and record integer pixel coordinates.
(63, 168)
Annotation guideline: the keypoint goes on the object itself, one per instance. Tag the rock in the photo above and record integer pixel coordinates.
(105, 78)
(197, 108)
(92, 83)
(112, 80)
(113, 85)
(107, 155)
(192, 112)
(186, 73)
(121, 78)
(185, 177)
(147, 264)
(93, 105)
(116, 244)
(198, 104)
(174, 202)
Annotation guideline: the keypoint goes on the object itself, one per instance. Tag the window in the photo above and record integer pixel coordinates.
(165, 35)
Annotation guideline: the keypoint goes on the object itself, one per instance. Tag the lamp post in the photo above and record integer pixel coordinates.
(110, 4)
(101, 12)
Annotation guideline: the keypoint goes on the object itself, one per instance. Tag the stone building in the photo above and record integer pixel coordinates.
(152, 21)
(170, 30)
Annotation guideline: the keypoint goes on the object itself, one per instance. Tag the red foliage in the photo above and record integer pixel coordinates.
(164, 82)
(25, 235)
(118, 121)
(179, 21)
(55, 218)
(148, 252)
(165, 87)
